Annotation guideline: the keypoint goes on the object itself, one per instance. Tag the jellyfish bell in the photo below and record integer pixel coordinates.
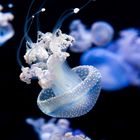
(66, 92)
(76, 101)
(102, 33)
(128, 48)
(112, 67)
(10, 5)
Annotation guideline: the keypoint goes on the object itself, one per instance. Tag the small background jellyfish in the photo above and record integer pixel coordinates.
(6, 29)
(53, 129)
(111, 67)
(100, 34)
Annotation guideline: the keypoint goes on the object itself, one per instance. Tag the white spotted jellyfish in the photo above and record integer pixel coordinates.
(66, 92)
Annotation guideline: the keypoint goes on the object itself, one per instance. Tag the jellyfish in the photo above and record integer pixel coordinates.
(6, 29)
(128, 48)
(55, 129)
(118, 62)
(102, 33)
(66, 92)
(112, 67)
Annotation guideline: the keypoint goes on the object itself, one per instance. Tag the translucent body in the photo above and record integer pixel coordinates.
(100, 34)
(53, 130)
(118, 62)
(66, 93)
(110, 65)
(74, 102)
(6, 29)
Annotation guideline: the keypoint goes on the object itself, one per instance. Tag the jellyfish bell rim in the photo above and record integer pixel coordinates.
(92, 71)
(74, 87)
(104, 40)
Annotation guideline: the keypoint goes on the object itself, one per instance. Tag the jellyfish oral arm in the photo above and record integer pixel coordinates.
(44, 56)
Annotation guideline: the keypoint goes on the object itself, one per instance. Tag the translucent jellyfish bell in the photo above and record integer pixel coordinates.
(76, 101)
(102, 33)
(118, 62)
(6, 29)
(111, 66)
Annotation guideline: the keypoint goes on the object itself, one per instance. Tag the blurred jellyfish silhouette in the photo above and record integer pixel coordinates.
(55, 129)
(6, 29)
(110, 65)
(118, 62)
(66, 92)
(81, 35)
(100, 34)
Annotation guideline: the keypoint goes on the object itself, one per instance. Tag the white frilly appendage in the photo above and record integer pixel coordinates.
(65, 93)
(43, 56)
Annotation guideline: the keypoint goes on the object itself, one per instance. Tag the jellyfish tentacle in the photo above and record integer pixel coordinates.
(68, 13)
(27, 28)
